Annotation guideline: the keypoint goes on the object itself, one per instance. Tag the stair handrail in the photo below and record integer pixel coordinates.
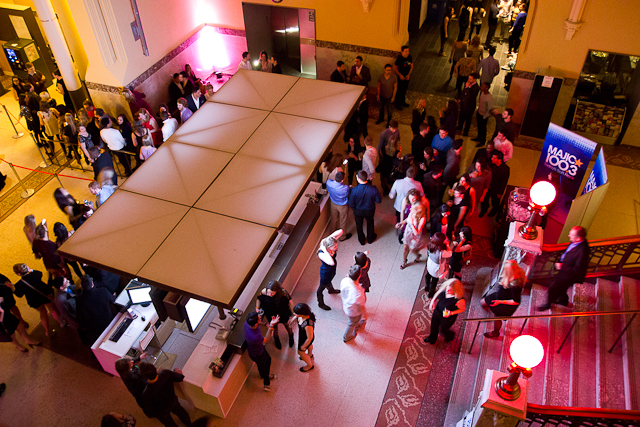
(576, 315)
(607, 257)
(575, 415)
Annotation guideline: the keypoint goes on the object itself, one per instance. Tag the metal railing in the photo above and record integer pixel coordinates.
(539, 415)
(607, 257)
(576, 315)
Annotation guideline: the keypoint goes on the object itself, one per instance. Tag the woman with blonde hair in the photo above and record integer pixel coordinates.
(505, 298)
(446, 305)
(414, 233)
(418, 115)
(328, 258)
(149, 122)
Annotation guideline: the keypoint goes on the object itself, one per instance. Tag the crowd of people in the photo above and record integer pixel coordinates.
(433, 199)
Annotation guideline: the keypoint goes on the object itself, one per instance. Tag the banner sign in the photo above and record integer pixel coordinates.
(564, 161)
(598, 175)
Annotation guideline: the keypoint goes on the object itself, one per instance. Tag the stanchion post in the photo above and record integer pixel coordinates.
(58, 178)
(46, 165)
(28, 192)
(18, 134)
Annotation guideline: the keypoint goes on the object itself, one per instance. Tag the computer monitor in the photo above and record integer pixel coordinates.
(140, 295)
(195, 311)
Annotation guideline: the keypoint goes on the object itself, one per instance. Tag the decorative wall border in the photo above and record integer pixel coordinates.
(164, 61)
(358, 49)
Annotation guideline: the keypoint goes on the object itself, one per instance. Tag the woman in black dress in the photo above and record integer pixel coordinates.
(306, 335)
(39, 295)
(459, 247)
(18, 88)
(458, 206)
(62, 234)
(439, 222)
(505, 298)
(387, 157)
(354, 157)
(9, 323)
(418, 115)
(276, 301)
(446, 305)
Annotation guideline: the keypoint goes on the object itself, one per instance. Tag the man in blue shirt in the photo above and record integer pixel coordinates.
(255, 346)
(363, 199)
(516, 30)
(339, 195)
(442, 142)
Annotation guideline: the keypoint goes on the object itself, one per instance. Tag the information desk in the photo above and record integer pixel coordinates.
(137, 335)
(285, 261)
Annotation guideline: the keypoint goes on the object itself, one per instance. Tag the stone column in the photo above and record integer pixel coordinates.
(523, 251)
(51, 27)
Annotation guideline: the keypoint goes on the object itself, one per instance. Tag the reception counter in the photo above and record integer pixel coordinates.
(285, 261)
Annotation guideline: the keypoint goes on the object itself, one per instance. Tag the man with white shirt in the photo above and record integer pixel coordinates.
(195, 100)
(485, 105)
(353, 302)
(114, 140)
(169, 125)
(401, 187)
(369, 158)
(503, 144)
(245, 64)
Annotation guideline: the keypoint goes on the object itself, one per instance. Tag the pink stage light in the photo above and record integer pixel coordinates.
(211, 51)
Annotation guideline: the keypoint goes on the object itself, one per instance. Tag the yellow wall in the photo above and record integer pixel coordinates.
(339, 21)
(607, 25)
(167, 23)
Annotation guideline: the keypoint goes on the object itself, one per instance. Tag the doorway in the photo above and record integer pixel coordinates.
(284, 31)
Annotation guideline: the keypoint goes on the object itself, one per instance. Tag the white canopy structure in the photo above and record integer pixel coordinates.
(199, 215)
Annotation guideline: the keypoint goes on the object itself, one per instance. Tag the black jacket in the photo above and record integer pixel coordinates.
(191, 103)
(574, 264)
(499, 178)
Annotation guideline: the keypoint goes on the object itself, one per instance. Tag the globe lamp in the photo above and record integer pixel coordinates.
(542, 194)
(526, 353)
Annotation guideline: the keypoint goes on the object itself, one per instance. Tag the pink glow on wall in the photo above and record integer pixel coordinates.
(211, 51)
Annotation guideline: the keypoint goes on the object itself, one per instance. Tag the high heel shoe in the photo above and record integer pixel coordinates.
(36, 344)
(24, 350)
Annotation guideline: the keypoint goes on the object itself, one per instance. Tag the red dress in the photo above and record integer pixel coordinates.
(157, 135)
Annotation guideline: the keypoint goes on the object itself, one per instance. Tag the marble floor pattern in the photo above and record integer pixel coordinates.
(350, 381)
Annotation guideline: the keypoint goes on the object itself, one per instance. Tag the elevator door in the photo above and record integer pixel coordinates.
(286, 35)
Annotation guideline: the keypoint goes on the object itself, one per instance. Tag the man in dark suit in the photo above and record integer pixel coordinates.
(362, 200)
(93, 309)
(452, 164)
(360, 74)
(102, 160)
(339, 75)
(357, 124)
(419, 143)
(572, 268)
(159, 396)
(195, 100)
(499, 177)
(176, 90)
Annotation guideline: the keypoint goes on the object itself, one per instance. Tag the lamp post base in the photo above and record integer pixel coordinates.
(17, 135)
(506, 390)
(27, 193)
(528, 233)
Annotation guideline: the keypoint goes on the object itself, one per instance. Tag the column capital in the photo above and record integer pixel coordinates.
(571, 28)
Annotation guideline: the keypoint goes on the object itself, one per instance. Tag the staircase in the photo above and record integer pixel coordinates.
(583, 374)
